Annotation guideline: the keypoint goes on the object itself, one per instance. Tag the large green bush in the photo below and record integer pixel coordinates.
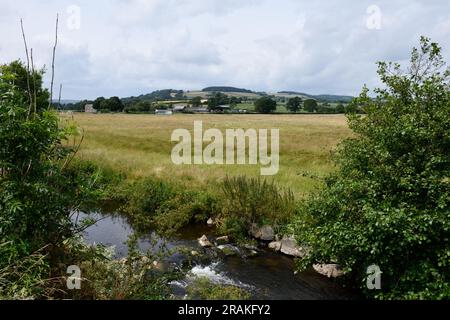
(388, 203)
(37, 192)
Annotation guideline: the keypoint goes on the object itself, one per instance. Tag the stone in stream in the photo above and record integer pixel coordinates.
(264, 233)
(210, 222)
(289, 246)
(228, 250)
(223, 239)
(331, 270)
(275, 245)
(204, 242)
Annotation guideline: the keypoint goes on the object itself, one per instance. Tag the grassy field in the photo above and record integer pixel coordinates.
(140, 145)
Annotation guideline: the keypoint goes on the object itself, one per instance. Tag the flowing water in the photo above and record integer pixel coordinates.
(267, 275)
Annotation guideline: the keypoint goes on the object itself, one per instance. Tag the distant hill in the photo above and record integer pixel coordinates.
(176, 95)
(226, 89)
(65, 101)
(165, 94)
(319, 97)
(333, 98)
(294, 93)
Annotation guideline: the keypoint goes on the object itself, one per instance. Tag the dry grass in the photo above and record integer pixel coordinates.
(140, 145)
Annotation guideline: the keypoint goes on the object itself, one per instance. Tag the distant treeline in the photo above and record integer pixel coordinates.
(226, 89)
(217, 97)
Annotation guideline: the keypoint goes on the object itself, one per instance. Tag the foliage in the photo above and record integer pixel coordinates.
(265, 105)
(294, 104)
(310, 105)
(248, 201)
(33, 183)
(184, 208)
(340, 108)
(143, 198)
(204, 289)
(226, 89)
(37, 192)
(14, 75)
(388, 204)
(22, 275)
(151, 202)
(217, 99)
(196, 101)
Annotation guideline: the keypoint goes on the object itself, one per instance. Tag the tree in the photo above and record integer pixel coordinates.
(196, 102)
(115, 104)
(310, 105)
(234, 101)
(112, 104)
(340, 108)
(217, 99)
(15, 74)
(97, 104)
(293, 104)
(388, 203)
(265, 105)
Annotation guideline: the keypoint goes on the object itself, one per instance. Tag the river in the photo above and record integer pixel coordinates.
(267, 275)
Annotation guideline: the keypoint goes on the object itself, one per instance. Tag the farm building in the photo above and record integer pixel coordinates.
(163, 111)
(179, 107)
(89, 108)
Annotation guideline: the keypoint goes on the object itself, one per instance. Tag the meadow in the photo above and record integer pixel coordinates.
(140, 146)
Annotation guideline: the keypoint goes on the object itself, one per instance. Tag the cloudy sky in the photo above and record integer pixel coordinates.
(129, 47)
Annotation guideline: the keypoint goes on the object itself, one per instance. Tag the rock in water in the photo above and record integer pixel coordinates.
(289, 246)
(255, 232)
(204, 242)
(275, 245)
(228, 250)
(264, 233)
(331, 270)
(223, 239)
(267, 233)
(210, 222)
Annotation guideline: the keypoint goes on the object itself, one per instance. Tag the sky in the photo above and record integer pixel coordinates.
(131, 47)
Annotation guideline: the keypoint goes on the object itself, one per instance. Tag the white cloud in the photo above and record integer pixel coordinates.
(129, 47)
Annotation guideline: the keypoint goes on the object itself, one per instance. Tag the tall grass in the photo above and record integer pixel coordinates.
(139, 145)
(248, 201)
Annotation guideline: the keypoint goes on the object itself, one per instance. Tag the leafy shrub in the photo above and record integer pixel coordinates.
(22, 275)
(183, 208)
(388, 204)
(151, 202)
(143, 198)
(204, 289)
(36, 191)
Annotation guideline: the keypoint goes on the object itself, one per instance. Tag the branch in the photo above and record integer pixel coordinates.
(34, 81)
(53, 63)
(59, 97)
(28, 66)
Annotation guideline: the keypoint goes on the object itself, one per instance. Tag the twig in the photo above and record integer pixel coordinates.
(53, 63)
(59, 97)
(34, 81)
(69, 159)
(28, 66)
